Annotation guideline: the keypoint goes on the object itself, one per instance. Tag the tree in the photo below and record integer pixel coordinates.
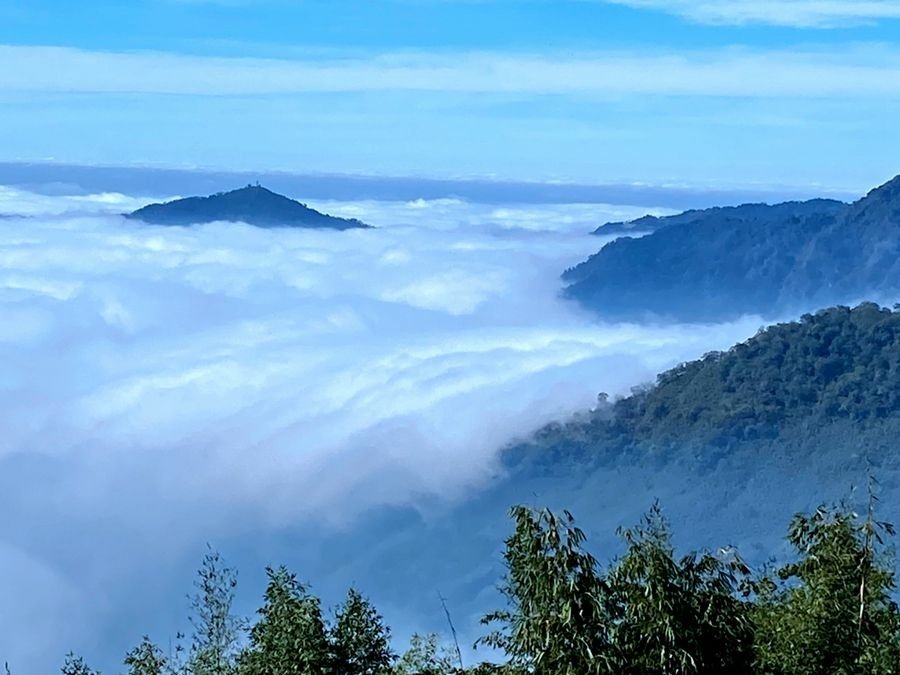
(290, 636)
(360, 641)
(677, 616)
(557, 619)
(75, 665)
(652, 613)
(216, 630)
(146, 659)
(424, 657)
(831, 611)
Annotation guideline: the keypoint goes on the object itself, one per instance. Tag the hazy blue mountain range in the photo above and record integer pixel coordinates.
(253, 204)
(720, 263)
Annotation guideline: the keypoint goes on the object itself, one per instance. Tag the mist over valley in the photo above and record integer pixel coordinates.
(402, 337)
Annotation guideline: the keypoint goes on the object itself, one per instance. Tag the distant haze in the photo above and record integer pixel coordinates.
(52, 178)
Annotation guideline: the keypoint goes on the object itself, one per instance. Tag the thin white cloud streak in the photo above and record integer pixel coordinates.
(796, 13)
(456, 214)
(162, 387)
(862, 71)
(20, 203)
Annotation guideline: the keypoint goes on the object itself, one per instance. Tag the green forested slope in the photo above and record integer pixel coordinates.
(794, 383)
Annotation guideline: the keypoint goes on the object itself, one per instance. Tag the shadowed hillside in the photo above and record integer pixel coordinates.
(721, 263)
(746, 214)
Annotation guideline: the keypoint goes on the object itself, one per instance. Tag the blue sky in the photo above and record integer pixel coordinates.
(698, 92)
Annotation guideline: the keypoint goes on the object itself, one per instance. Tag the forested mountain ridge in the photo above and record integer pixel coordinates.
(746, 213)
(721, 263)
(253, 204)
(790, 386)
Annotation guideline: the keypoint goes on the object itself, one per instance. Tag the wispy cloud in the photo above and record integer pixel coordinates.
(798, 13)
(862, 71)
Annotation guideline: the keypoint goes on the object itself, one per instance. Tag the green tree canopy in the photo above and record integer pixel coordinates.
(677, 615)
(361, 642)
(146, 659)
(75, 665)
(557, 619)
(217, 630)
(290, 637)
(831, 611)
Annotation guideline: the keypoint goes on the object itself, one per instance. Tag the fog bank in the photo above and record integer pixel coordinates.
(168, 386)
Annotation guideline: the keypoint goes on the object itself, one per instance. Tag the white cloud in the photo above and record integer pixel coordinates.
(867, 71)
(21, 203)
(457, 214)
(799, 13)
(163, 387)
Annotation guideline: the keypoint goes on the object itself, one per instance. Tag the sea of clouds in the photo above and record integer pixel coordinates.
(165, 387)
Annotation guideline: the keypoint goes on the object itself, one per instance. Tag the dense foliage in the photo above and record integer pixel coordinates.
(720, 263)
(828, 611)
(833, 611)
(828, 380)
(650, 613)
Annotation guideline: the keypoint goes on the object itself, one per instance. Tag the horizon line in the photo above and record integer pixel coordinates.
(43, 176)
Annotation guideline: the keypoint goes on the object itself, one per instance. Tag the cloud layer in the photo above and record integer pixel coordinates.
(798, 13)
(162, 387)
(863, 71)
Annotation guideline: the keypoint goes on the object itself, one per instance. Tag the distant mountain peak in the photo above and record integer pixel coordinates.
(253, 204)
